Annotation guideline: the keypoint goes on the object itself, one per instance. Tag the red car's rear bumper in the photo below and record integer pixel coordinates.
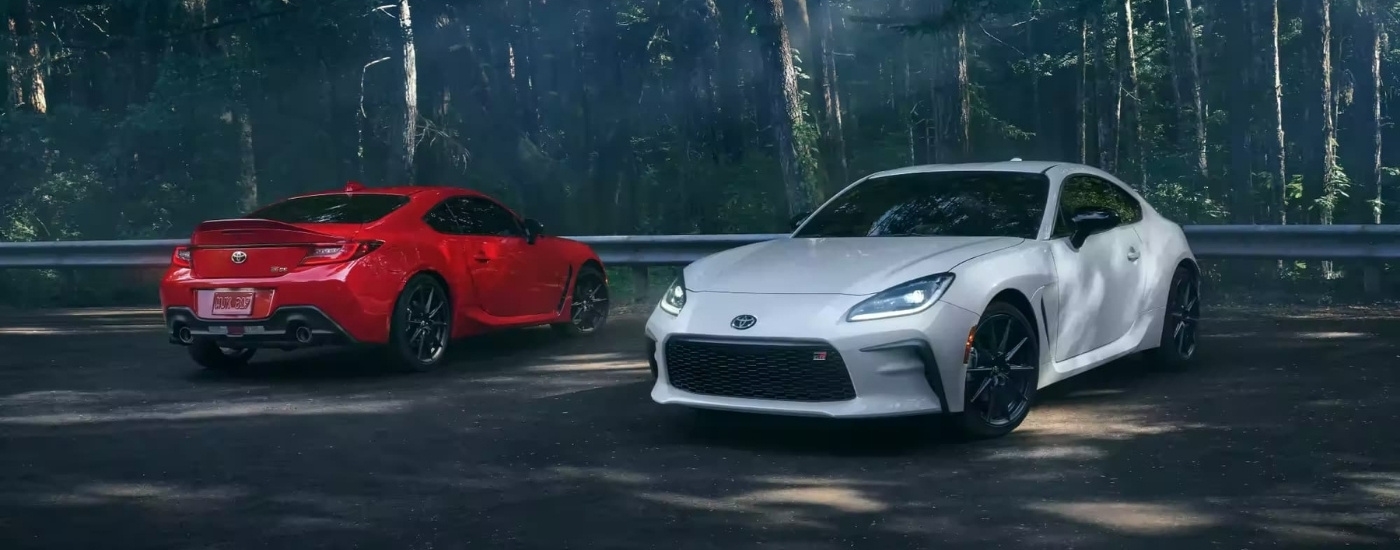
(338, 304)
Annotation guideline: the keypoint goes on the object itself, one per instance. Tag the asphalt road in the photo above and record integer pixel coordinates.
(1283, 436)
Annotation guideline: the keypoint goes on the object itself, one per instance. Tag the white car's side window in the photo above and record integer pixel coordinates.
(1084, 190)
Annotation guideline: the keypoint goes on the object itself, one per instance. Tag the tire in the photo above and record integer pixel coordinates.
(588, 304)
(420, 328)
(209, 355)
(1011, 374)
(1181, 323)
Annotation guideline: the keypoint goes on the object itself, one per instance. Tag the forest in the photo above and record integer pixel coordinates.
(130, 119)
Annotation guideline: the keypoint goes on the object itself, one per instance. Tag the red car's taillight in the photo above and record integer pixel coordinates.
(337, 253)
(181, 258)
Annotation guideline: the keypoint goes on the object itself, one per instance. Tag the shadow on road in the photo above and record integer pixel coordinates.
(477, 354)
(1275, 438)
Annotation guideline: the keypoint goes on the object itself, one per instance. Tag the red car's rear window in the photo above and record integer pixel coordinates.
(332, 208)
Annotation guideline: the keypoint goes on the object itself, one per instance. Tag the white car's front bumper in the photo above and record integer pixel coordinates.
(900, 366)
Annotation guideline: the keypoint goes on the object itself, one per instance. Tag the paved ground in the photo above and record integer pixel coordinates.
(1283, 436)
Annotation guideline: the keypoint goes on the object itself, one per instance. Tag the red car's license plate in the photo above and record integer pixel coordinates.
(233, 303)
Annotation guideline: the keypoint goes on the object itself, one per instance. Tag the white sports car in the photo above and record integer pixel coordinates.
(959, 289)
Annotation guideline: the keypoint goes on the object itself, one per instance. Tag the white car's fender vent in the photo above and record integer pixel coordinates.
(782, 370)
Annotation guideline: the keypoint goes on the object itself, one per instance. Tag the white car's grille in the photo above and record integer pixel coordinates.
(810, 371)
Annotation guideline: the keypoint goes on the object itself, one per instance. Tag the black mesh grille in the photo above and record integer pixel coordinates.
(757, 370)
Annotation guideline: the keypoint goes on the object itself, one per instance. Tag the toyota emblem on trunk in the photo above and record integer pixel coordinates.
(743, 322)
(239, 257)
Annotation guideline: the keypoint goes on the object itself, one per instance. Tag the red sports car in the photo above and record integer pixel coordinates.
(406, 267)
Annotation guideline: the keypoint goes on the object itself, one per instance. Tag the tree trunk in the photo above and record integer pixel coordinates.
(25, 66)
(1329, 127)
(1329, 115)
(1238, 56)
(1083, 105)
(1132, 107)
(734, 41)
(1317, 148)
(247, 160)
(1370, 99)
(700, 47)
(815, 60)
(1278, 151)
(402, 171)
(37, 93)
(917, 134)
(800, 34)
(948, 82)
(793, 154)
(14, 68)
(362, 120)
(702, 18)
(964, 94)
(1039, 141)
(1106, 108)
(833, 127)
(1175, 64)
(606, 129)
(1193, 87)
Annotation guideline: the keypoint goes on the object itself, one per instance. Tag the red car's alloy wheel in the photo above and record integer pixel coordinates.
(422, 324)
(425, 323)
(590, 306)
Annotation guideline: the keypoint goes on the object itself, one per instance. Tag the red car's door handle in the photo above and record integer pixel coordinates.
(482, 258)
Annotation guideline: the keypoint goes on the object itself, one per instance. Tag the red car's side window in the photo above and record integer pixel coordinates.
(473, 216)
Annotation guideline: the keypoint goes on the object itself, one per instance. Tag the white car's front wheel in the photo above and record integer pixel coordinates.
(1002, 373)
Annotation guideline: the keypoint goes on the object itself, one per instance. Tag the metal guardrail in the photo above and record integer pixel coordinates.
(1294, 242)
(1283, 242)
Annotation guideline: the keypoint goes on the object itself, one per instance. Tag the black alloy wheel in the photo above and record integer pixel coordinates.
(210, 355)
(422, 325)
(588, 304)
(1002, 373)
(1181, 326)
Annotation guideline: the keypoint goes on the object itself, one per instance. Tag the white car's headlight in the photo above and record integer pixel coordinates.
(902, 299)
(674, 299)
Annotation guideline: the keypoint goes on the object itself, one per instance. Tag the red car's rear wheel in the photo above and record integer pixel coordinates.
(421, 325)
(209, 355)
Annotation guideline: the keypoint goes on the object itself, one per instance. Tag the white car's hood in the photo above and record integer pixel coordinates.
(858, 266)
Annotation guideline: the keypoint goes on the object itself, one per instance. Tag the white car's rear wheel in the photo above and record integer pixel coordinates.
(1002, 373)
(1180, 328)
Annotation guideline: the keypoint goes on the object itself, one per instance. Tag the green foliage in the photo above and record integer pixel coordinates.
(1335, 185)
(1180, 201)
(605, 124)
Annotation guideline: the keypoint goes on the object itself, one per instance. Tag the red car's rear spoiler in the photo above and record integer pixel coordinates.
(253, 231)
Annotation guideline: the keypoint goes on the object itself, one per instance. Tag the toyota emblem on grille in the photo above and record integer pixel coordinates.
(239, 257)
(743, 322)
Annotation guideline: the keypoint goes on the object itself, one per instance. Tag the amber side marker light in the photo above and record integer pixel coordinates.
(967, 349)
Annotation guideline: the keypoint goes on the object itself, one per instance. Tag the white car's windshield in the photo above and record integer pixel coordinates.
(955, 204)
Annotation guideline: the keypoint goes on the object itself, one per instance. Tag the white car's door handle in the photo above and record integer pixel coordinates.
(1133, 254)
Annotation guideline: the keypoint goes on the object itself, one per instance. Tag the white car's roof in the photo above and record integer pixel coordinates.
(1024, 166)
